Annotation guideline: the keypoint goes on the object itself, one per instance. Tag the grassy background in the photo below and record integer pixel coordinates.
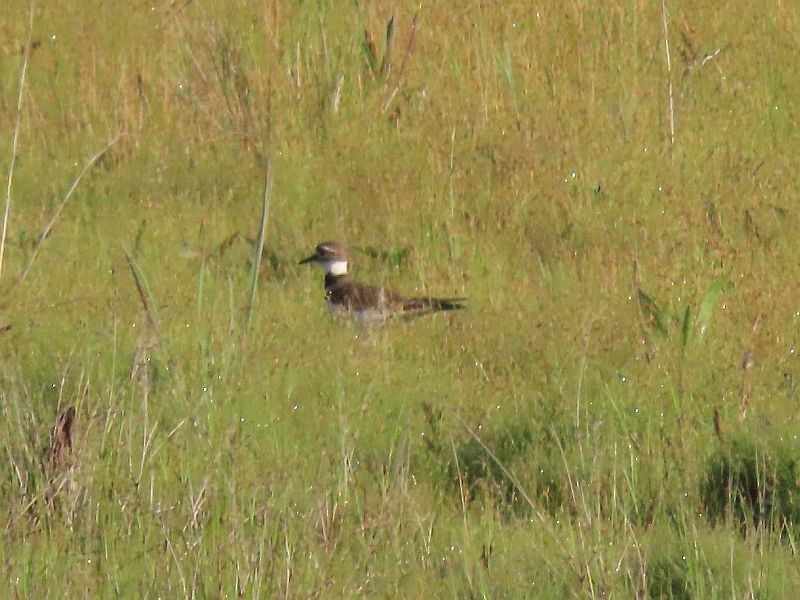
(557, 439)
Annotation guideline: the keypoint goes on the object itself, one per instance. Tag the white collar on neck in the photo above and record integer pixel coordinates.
(335, 267)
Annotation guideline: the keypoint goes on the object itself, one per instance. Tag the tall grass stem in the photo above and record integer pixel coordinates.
(51, 223)
(259, 243)
(7, 209)
(669, 76)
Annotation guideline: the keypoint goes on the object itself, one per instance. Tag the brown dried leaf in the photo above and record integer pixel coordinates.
(61, 439)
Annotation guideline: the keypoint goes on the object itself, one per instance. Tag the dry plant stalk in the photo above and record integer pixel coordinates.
(7, 209)
(744, 406)
(140, 288)
(718, 425)
(48, 228)
(411, 44)
(262, 234)
(60, 440)
(745, 364)
(669, 75)
(149, 338)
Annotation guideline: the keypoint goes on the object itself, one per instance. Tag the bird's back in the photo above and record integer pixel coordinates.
(375, 303)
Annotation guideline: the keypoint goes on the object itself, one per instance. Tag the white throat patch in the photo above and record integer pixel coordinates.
(335, 267)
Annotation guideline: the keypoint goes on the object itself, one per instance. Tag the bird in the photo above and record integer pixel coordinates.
(368, 304)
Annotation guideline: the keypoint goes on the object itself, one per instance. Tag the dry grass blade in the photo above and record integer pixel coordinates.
(411, 44)
(747, 396)
(718, 431)
(222, 248)
(337, 95)
(262, 232)
(48, 228)
(141, 288)
(149, 337)
(669, 75)
(173, 12)
(60, 440)
(7, 208)
(196, 503)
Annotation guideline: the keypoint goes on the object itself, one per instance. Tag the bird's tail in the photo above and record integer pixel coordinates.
(424, 305)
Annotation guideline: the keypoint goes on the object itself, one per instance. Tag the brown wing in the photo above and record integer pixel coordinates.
(358, 296)
(354, 295)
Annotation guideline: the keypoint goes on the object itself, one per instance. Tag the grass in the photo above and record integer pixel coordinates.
(615, 414)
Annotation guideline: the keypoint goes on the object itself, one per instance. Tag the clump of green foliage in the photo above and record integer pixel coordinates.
(753, 483)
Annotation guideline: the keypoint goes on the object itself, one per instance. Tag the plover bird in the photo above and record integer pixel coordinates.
(368, 304)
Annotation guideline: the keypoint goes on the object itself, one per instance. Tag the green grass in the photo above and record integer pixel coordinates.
(615, 414)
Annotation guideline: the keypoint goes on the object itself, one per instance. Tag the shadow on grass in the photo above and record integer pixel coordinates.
(668, 577)
(755, 484)
(495, 478)
(511, 465)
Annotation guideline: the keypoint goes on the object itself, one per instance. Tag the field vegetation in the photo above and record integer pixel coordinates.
(614, 187)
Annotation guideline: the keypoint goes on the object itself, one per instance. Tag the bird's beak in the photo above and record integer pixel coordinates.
(311, 258)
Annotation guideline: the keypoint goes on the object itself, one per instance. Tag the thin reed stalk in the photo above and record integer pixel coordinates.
(7, 209)
(262, 232)
(73, 187)
(669, 76)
